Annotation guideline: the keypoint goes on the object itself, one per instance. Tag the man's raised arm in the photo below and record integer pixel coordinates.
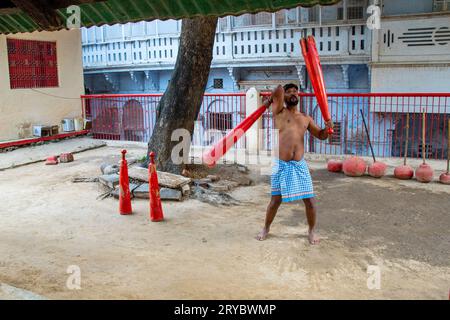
(276, 100)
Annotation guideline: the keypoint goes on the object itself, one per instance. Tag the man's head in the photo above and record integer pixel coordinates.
(291, 95)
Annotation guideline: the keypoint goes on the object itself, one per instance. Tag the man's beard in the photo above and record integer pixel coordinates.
(292, 101)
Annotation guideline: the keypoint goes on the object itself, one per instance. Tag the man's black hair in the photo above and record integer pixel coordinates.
(288, 86)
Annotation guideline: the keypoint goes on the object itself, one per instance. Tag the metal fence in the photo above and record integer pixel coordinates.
(132, 117)
(385, 115)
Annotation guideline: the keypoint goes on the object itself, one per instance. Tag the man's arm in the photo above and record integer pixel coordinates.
(321, 134)
(276, 99)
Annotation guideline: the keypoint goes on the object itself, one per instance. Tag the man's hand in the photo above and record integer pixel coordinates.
(329, 124)
(323, 135)
(268, 101)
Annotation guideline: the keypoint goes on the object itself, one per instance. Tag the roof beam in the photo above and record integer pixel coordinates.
(60, 4)
(41, 12)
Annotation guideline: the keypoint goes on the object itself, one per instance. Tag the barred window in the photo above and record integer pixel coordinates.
(355, 11)
(218, 83)
(428, 151)
(220, 121)
(441, 5)
(335, 138)
(32, 64)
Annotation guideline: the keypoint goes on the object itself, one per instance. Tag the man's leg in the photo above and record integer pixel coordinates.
(311, 216)
(272, 208)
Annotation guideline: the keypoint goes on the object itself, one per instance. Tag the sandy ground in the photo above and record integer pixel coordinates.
(48, 223)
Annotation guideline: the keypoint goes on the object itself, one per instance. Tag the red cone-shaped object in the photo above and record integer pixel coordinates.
(156, 213)
(124, 187)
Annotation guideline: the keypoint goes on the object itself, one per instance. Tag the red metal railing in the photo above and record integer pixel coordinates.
(132, 117)
(385, 115)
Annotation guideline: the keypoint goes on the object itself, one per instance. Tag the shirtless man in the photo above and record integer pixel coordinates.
(291, 180)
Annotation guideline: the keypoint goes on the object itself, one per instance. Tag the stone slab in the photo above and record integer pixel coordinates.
(165, 179)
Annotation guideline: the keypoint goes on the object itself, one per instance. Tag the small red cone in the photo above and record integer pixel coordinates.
(124, 187)
(156, 213)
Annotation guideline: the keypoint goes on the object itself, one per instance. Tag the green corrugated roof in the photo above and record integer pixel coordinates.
(122, 11)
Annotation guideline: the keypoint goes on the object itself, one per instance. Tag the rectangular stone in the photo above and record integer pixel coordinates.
(115, 192)
(223, 185)
(141, 192)
(186, 190)
(165, 179)
(109, 180)
(170, 194)
(138, 173)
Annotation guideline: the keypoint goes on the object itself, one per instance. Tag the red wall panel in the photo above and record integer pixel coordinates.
(32, 64)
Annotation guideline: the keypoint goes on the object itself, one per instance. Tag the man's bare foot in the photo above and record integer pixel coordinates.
(313, 238)
(263, 234)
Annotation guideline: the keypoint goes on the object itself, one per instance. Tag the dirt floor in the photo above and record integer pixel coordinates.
(201, 251)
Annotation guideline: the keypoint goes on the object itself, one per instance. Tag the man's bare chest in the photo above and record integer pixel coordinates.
(291, 123)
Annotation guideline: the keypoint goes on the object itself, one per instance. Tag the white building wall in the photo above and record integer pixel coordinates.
(22, 108)
(412, 54)
(411, 79)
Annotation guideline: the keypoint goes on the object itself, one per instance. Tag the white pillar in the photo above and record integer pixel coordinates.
(345, 78)
(253, 102)
(375, 37)
(344, 10)
(320, 15)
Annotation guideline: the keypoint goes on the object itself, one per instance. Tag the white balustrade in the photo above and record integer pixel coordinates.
(237, 45)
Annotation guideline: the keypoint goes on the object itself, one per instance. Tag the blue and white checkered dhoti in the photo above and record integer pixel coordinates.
(291, 180)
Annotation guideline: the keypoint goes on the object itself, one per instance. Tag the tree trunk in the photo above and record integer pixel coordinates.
(180, 104)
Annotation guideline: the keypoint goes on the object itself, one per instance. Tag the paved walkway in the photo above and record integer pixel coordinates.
(31, 154)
